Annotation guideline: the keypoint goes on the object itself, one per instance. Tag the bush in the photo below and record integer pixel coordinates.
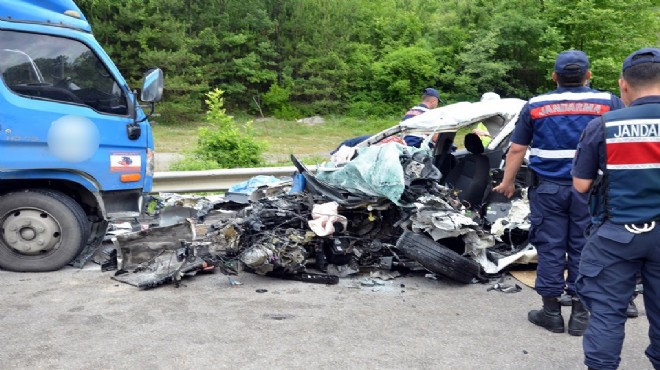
(276, 100)
(286, 112)
(223, 144)
(229, 148)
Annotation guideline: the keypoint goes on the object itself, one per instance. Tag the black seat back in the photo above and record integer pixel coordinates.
(471, 176)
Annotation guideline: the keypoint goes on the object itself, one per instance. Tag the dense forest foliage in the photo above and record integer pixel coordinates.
(362, 57)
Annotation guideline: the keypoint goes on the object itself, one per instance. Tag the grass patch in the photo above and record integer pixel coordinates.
(175, 138)
(311, 143)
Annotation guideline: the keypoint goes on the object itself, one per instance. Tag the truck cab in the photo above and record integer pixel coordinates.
(76, 149)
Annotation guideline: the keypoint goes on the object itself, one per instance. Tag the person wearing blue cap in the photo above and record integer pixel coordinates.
(625, 147)
(430, 100)
(550, 125)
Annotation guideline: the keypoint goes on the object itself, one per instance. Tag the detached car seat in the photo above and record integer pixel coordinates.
(471, 176)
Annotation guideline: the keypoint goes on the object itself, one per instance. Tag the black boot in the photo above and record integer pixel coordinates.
(549, 317)
(577, 324)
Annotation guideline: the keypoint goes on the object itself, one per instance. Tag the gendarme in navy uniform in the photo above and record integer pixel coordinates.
(550, 126)
(625, 147)
(430, 100)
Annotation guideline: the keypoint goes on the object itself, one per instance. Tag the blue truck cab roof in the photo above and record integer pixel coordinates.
(62, 13)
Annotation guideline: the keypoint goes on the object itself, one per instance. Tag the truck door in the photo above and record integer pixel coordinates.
(61, 109)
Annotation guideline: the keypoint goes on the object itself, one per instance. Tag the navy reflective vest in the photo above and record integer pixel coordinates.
(632, 181)
(559, 118)
(415, 111)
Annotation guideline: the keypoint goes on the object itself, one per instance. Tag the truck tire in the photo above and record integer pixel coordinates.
(437, 258)
(40, 230)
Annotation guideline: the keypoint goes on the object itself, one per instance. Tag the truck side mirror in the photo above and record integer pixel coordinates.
(152, 87)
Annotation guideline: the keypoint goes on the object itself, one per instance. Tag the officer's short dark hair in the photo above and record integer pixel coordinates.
(572, 79)
(642, 75)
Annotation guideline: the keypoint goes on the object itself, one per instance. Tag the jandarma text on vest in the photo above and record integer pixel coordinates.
(638, 129)
(569, 108)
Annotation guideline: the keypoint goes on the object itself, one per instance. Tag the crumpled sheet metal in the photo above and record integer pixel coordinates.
(269, 191)
(459, 114)
(517, 218)
(142, 246)
(174, 208)
(439, 219)
(175, 215)
(523, 256)
(475, 240)
(203, 205)
(170, 266)
(283, 253)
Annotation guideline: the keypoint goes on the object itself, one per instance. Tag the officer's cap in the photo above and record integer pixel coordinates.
(432, 92)
(646, 55)
(571, 62)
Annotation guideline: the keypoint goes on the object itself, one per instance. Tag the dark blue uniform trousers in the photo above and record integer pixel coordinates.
(559, 216)
(610, 260)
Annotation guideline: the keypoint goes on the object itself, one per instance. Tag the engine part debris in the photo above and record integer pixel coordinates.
(143, 246)
(168, 266)
(505, 288)
(278, 251)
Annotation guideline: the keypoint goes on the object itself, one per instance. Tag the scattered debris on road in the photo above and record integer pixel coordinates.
(387, 209)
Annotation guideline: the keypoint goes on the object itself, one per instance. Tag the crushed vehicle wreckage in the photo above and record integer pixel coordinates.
(379, 206)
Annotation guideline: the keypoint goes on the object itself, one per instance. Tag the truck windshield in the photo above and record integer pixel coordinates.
(59, 69)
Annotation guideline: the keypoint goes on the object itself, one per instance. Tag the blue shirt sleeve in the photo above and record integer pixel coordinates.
(590, 153)
(524, 131)
(617, 103)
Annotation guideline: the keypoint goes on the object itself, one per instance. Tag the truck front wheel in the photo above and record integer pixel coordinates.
(40, 230)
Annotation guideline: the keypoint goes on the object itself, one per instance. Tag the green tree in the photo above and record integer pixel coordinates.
(404, 70)
(607, 31)
(365, 57)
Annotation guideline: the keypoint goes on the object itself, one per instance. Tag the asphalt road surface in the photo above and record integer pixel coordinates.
(82, 319)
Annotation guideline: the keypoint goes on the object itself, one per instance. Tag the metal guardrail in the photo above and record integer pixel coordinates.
(212, 180)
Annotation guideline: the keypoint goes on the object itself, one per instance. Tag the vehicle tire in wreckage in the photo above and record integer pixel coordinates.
(437, 258)
(40, 230)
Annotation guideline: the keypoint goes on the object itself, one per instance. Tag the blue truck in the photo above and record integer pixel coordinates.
(76, 149)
